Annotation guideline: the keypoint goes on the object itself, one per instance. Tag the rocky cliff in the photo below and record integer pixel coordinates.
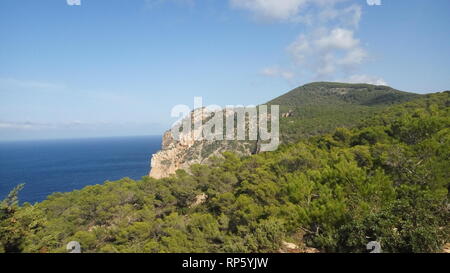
(181, 153)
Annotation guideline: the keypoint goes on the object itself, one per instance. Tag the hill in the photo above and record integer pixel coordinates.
(309, 110)
(318, 108)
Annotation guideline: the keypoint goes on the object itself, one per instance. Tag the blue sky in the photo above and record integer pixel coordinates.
(117, 67)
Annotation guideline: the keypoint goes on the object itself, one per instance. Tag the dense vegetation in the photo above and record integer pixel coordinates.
(309, 110)
(386, 180)
(319, 108)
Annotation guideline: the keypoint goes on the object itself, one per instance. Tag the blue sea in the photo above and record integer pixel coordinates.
(49, 166)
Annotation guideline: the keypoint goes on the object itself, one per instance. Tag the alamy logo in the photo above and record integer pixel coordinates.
(73, 247)
(374, 247)
(74, 2)
(214, 123)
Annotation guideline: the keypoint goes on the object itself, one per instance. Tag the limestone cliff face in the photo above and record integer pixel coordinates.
(184, 151)
(169, 159)
(176, 155)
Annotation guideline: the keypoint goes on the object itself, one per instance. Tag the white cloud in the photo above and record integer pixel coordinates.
(346, 17)
(328, 47)
(293, 10)
(354, 56)
(324, 53)
(271, 9)
(366, 79)
(154, 3)
(337, 38)
(277, 72)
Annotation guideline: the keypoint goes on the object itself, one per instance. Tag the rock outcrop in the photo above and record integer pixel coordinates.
(199, 199)
(289, 114)
(287, 247)
(181, 153)
(446, 248)
(170, 158)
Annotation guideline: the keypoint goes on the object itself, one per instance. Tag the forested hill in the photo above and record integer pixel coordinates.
(334, 93)
(309, 110)
(385, 180)
(320, 107)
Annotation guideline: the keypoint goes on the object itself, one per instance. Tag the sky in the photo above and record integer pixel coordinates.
(117, 67)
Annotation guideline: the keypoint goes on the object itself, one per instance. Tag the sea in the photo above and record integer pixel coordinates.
(48, 166)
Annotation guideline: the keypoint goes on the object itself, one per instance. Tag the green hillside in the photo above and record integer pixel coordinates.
(314, 109)
(320, 107)
(386, 179)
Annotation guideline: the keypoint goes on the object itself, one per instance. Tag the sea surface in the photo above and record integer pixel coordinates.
(48, 166)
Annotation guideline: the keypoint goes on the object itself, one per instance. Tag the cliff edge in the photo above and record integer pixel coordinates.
(181, 153)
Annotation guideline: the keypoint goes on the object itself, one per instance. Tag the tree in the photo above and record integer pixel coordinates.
(10, 234)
